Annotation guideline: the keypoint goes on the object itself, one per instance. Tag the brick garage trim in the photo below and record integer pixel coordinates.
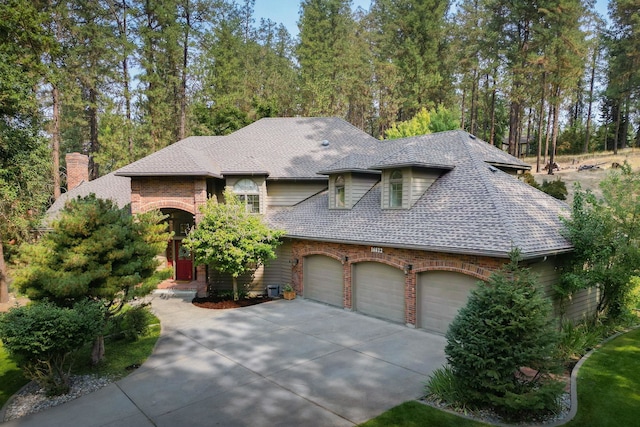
(479, 267)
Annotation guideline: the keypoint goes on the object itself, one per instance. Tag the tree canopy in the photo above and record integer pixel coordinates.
(94, 250)
(605, 234)
(230, 239)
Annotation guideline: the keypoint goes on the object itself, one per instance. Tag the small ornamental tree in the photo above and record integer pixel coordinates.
(42, 337)
(230, 239)
(500, 345)
(605, 234)
(97, 251)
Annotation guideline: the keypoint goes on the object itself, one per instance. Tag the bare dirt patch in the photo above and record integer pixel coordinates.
(599, 164)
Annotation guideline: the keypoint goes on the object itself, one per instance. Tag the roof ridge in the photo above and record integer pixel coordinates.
(483, 167)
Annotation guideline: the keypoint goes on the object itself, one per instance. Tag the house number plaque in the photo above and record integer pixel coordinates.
(376, 250)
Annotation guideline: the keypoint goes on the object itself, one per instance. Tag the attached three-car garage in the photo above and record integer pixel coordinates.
(378, 290)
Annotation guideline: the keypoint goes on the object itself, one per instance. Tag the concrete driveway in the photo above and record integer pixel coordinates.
(281, 363)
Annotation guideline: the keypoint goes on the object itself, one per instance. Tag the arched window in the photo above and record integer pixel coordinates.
(395, 189)
(340, 191)
(249, 194)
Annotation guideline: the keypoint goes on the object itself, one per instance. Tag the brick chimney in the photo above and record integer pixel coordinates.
(77, 169)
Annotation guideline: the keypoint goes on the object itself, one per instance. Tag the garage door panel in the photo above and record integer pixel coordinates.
(379, 290)
(323, 280)
(441, 294)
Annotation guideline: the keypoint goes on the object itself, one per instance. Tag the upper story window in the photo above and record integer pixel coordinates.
(395, 189)
(249, 194)
(340, 191)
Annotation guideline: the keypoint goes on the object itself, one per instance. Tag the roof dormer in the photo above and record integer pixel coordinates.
(347, 188)
(403, 187)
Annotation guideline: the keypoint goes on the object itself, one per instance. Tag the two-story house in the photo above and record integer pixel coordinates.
(400, 230)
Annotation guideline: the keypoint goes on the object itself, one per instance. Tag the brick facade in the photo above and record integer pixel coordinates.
(420, 261)
(184, 193)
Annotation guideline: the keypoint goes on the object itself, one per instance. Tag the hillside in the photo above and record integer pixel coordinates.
(589, 179)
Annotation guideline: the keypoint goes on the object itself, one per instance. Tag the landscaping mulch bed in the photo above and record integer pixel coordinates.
(221, 303)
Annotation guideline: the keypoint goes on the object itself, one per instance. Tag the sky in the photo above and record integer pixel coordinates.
(286, 11)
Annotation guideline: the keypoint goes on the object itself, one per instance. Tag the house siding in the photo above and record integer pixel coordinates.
(360, 185)
(421, 180)
(283, 193)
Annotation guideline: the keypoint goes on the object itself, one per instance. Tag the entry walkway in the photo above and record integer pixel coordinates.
(281, 363)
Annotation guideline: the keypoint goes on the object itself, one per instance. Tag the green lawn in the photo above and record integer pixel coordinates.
(608, 393)
(120, 356)
(609, 384)
(415, 414)
(11, 378)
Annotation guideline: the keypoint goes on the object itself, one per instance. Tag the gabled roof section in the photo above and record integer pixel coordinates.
(110, 186)
(184, 158)
(282, 148)
(473, 208)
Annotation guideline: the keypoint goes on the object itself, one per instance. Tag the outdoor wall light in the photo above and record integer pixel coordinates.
(295, 261)
(345, 259)
(408, 268)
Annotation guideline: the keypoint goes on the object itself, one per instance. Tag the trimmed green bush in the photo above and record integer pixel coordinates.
(500, 346)
(41, 338)
(131, 324)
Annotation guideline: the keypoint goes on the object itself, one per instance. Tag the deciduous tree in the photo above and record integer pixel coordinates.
(230, 239)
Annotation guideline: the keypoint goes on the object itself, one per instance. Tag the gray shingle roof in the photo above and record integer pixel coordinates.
(473, 208)
(110, 186)
(283, 148)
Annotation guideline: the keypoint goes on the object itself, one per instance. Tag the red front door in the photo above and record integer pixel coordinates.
(183, 263)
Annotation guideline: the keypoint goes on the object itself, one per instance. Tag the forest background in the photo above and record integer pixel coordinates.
(120, 79)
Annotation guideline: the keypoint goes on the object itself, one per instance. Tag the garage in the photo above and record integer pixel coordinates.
(323, 280)
(379, 290)
(440, 295)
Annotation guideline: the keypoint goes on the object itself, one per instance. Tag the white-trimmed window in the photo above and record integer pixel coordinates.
(395, 189)
(340, 194)
(249, 193)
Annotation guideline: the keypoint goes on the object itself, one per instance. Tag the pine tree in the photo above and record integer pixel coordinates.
(505, 327)
(97, 251)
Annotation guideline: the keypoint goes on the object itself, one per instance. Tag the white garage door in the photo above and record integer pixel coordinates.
(323, 280)
(379, 290)
(440, 295)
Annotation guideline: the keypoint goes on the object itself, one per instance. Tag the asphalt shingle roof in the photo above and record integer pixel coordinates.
(110, 186)
(283, 148)
(474, 208)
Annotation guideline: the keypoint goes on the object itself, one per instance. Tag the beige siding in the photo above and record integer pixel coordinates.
(421, 180)
(286, 193)
(581, 304)
(278, 271)
(360, 185)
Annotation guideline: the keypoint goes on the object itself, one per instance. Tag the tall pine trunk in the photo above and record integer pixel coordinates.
(541, 120)
(591, 84)
(55, 141)
(4, 284)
